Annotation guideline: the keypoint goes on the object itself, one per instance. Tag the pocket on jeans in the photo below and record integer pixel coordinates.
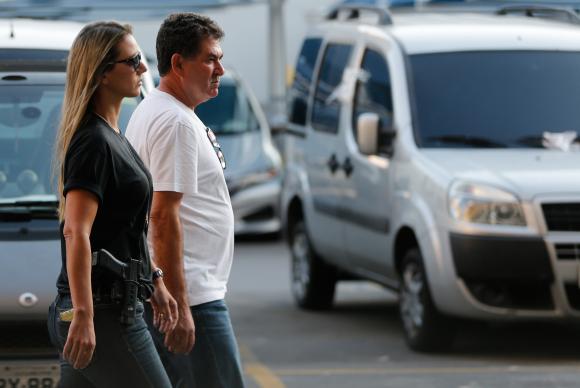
(61, 327)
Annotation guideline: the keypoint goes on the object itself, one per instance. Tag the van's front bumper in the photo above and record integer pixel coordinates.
(504, 272)
(496, 276)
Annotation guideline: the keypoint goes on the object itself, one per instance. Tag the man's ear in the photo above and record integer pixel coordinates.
(177, 64)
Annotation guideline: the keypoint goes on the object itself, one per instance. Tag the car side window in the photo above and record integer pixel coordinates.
(301, 85)
(373, 89)
(326, 108)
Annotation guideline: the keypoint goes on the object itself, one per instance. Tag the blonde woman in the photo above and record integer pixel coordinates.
(105, 198)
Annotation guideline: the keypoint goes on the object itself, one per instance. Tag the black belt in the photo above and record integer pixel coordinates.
(114, 293)
(110, 294)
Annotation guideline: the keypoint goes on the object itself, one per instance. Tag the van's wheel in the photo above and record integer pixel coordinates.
(426, 329)
(313, 281)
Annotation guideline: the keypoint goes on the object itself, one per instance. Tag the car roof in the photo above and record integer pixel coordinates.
(431, 32)
(38, 34)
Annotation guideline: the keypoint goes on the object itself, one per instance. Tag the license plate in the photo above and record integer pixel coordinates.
(24, 374)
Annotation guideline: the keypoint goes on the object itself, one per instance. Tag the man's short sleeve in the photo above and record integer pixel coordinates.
(173, 158)
(87, 166)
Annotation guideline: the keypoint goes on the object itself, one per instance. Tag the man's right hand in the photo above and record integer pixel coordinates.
(181, 339)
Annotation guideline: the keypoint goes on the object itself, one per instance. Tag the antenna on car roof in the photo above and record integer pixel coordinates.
(11, 29)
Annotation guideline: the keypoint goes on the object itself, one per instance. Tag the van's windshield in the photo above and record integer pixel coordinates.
(230, 112)
(496, 99)
(29, 118)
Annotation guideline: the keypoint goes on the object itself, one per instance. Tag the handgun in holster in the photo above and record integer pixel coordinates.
(129, 273)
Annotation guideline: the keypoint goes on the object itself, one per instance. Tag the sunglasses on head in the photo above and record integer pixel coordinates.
(134, 61)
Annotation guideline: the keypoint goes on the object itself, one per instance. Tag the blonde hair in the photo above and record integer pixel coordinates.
(92, 51)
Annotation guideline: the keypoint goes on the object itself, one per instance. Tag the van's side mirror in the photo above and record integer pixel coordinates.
(367, 131)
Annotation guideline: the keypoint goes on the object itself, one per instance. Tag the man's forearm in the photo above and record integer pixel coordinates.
(167, 240)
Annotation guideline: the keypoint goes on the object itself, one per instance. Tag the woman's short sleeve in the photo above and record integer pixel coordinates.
(87, 165)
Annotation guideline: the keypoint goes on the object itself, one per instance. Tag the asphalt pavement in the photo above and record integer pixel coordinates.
(359, 343)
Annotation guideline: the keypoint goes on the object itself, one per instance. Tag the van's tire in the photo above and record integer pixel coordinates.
(313, 280)
(426, 329)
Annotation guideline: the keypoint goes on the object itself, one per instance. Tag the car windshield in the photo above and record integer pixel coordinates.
(229, 113)
(496, 99)
(29, 117)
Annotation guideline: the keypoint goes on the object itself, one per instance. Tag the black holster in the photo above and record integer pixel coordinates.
(129, 274)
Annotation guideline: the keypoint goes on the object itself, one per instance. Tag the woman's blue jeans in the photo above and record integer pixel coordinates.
(124, 356)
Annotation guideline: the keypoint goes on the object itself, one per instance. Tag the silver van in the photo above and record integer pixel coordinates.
(438, 155)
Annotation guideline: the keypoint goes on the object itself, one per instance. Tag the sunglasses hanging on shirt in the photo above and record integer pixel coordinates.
(216, 147)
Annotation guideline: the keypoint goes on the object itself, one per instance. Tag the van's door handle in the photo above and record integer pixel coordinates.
(333, 164)
(347, 167)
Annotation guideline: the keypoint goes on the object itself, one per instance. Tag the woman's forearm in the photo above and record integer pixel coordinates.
(78, 264)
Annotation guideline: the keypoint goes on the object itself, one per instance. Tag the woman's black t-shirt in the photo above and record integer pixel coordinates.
(102, 161)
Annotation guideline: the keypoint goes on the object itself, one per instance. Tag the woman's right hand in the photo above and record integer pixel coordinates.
(80, 343)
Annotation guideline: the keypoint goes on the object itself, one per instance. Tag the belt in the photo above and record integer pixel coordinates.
(115, 293)
(111, 293)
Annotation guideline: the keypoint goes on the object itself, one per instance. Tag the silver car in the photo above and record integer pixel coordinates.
(253, 165)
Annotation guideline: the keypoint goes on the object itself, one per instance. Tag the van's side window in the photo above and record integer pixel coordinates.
(301, 85)
(326, 108)
(373, 89)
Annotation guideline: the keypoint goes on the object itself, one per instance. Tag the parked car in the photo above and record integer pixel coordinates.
(32, 78)
(437, 154)
(253, 165)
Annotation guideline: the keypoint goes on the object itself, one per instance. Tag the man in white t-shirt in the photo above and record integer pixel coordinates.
(191, 233)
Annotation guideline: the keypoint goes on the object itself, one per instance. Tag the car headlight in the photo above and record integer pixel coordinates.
(482, 204)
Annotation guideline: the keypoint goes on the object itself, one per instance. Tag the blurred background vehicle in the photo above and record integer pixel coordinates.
(254, 166)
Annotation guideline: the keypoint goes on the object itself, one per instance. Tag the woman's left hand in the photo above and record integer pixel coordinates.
(165, 311)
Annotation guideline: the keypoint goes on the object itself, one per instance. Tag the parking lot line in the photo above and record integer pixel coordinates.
(424, 371)
(260, 373)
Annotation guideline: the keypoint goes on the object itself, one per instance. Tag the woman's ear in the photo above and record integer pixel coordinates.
(104, 80)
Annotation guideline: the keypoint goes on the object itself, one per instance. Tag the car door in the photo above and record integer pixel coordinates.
(324, 149)
(368, 186)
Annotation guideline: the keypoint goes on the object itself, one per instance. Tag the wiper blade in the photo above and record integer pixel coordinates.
(24, 209)
(474, 141)
(531, 141)
(537, 141)
(29, 204)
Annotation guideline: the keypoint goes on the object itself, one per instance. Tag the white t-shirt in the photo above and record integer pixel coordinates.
(173, 143)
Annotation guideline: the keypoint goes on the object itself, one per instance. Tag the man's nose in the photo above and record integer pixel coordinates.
(220, 69)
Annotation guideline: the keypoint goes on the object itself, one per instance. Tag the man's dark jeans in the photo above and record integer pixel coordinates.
(124, 356)
(214, 361)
